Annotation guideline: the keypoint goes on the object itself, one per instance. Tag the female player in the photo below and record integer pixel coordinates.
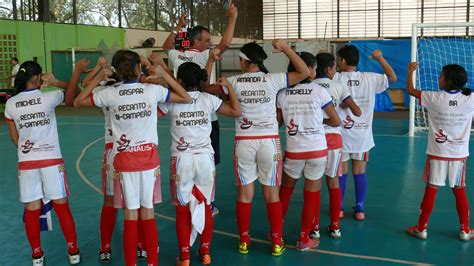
(257, 144)
(450, 113)
(133, 110)
(302, 108)
(357, 131)
(192, 162)
(325, 71)
(32, 126)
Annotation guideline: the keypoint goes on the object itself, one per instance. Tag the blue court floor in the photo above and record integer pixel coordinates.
(394, 195)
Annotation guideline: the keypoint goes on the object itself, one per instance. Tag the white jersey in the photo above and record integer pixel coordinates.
(192, 55)
(363, 86)
(32, 111)
(108, 136)
(133, 113)
(449, 121)
(191, 123)
(256, 93)
(338, 94)
(302, 108)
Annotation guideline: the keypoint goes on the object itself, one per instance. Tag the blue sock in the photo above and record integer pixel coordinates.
(360, 182)
(342, 186)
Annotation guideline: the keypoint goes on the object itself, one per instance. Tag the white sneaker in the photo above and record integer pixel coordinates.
(335, 233)
(466, 236)
(38, 261)
(413, 231)
(314, 234)
(74, 258)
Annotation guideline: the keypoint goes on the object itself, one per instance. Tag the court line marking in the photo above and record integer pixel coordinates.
(165, 217)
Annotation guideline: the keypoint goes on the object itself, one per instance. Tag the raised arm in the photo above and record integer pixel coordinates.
(50, 80)
(182, 22)
(387, 69)
(302, 70)
(156, 60)
(72, 89)
(101, 63)
(233, 108)
(410, 86)
(178, 93)
(226, 40)
(13, 132)
(83, 100)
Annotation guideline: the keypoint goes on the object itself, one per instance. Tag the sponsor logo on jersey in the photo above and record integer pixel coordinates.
(292, 128)
(348, 122)
(26, 148)
(440, 136)
(123, 143)
(182, 144)
(246, 124)
(185, 59)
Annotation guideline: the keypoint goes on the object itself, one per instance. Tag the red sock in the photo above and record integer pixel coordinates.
(243, 220)
(308, 213)
(67, 226)
(276, 223)
(317, 207)
(206, 235)
(426, 207)
(130, 242)
(183, 231)
(141, 242)
(334, 207)
(462, 207)
(107, 224)
(32, 228)
(150, 240)
(285, 196)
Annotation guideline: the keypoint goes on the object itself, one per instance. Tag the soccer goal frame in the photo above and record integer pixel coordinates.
(416, 27)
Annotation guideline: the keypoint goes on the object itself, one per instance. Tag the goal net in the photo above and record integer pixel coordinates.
(433, 46)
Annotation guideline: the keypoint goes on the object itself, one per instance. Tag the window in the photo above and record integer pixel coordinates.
(138, 14)
(61, 11)
(101, 13)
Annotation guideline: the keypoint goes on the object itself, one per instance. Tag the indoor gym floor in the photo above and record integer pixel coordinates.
(393, 199)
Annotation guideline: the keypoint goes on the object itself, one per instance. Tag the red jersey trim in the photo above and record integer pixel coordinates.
(419, 98)
(143, 157)
(108, 146)
(306, 155)
(256, 137)
(160, 111)
(334, 141)
(30, 165)
(433, 157)
(92, 99)
(9, 120)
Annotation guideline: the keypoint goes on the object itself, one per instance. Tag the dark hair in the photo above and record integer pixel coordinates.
(456, 77)
(191, 75)
(308, 59)
(14, 58)
(196, 33)
(27, 70)
(350, 54)
(125, 64)
(256, 54)
(324, 61)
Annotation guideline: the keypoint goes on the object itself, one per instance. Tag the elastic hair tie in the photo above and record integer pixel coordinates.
(22, 70)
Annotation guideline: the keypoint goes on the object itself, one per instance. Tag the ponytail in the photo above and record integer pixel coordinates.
(466, 91)
(27, 70)
(125, 65)
(456, 78)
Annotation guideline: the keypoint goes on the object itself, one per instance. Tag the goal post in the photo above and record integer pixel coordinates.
(434, 45)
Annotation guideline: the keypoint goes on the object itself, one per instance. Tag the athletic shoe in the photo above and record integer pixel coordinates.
(359, 215)
(302, 246)
(277, 250)
(206, 259)
(334, 233)
(74, 258)
(244, 247)
(214, 209)
(182, 263)
(38, 261)
(466, 236)
(413, 231)
(314, 234)
(141, 254)
(341, 214)
(105, 256)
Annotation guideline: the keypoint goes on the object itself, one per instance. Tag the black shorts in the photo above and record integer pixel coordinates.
(215, 141)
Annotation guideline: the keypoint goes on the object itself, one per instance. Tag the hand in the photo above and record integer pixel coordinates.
(182, 21)
(214, 54)
(279, 45)
(156, 71)
(224, 82)
(155, 59)
(81, 66)
(48, 79)
(412, 67)
(232, 11)
(102, 62)
(376, 55)
(105, 74)
(144, 61)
